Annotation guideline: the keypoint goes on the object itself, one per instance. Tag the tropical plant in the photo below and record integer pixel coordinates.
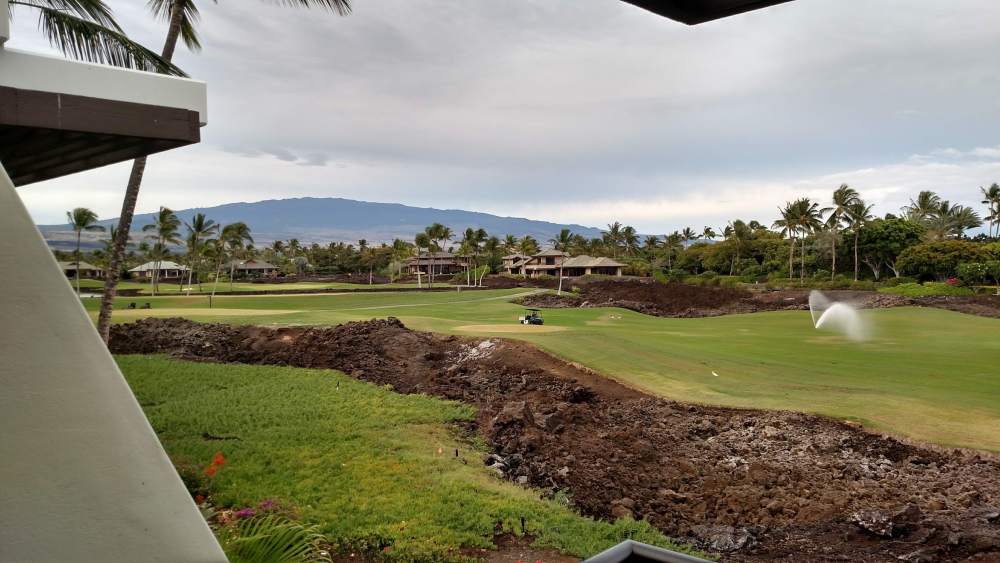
(182, 17)
(858, 215)
(87, 30)
(563, 240)
(613, 237)
(844, 198)
(991, 198)
(688, 235)
(923, 207)
(510, 244)
(81, 219)
(708, 233)
(528, 245)
(234, 238)
(199, 229)
(272, 539)
(787, 226)
(630, 240)
(164, 229)
(808, 219)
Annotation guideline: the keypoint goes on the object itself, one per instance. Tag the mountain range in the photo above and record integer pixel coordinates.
(324, 220)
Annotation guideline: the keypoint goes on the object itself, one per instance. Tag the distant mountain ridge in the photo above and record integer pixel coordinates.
(324, 220)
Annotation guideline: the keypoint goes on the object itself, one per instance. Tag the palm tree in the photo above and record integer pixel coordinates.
(991, 198)
(510, 244)
(199, 230)
(858, 215)
(181, 15)
(688, 234)
(786, 225)
(437, 234)
(808, 219)
(164, 227)
(614, 237)
(925, 206)
(528, 245)
(81, 219)
(740, 233)
(671, 243)
(563, 240)
(708, 233)
(650, 245)
(87, 30)
(630, 240)
(843, 197)
(400, 249)
(233, 238)
(422, 241)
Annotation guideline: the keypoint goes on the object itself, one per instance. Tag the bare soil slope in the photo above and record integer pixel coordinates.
(750, 485)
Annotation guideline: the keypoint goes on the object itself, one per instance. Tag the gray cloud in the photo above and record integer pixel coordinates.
(583, 108)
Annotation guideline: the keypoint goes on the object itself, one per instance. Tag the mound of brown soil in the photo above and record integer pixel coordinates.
(751, 485)
(684, 300)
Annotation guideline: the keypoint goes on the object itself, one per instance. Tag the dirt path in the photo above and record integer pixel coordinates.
(749, 485)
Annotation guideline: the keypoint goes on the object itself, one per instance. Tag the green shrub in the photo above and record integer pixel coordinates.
(939, 260)
(929, 289)
(893, 282)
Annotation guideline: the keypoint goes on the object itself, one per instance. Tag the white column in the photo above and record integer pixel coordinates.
(83, 475)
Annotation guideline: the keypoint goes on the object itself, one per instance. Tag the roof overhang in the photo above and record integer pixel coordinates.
(58, 117)
(693, 12)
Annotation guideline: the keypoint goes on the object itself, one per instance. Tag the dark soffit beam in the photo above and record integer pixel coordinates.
(45, 135)
(693, 12)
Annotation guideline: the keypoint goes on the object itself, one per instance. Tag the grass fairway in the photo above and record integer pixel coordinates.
(372, 467)
(928, 374)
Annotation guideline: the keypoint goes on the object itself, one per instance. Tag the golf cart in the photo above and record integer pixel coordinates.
(531, 317)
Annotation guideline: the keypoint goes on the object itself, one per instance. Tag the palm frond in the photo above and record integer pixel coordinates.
(271, 539)
(93, 42)
(189, 19)
(91, 10)
(342, 7)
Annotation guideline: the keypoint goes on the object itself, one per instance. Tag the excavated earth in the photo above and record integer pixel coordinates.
(685, 300)
(745, 484)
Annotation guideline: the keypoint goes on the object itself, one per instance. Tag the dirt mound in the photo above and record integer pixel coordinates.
(684, 300)
(750, 485)
(981, 305)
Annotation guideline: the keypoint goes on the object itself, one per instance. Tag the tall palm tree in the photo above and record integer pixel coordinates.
(740, 233)
(787, 226)
(651, 244)
(422, 241)
(563, 240)
(438, 234)
(614, 237)
(925, 206)
(234, 238)
(81, 219)
(808, 219)
(199, 229)
(672, 243)
(991, 198)
(510, 244)
(87, 30)
(528, 245)
(182, 17)
(630, 240)
(165, 227)
(843, 198)
(688, 234)
(708, 233)
(858, 215)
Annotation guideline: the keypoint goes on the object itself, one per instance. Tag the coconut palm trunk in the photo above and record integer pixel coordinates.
(833, 254)
(791, 258)
(77, 256)
(802, 265)
(856, 233)
(128, 204)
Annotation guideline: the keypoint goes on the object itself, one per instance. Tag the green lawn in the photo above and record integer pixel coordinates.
(929, 374)
(370, 466)
(240, 286)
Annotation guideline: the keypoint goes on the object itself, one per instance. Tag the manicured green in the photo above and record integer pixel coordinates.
(928, 374)
(173, 288)
(370, 466)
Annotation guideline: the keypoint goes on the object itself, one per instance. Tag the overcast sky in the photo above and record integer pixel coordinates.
(584, 111)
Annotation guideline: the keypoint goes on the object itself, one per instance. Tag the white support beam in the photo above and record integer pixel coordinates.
(83, 475)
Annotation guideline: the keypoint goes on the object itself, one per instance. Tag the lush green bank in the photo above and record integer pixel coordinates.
(374, 468)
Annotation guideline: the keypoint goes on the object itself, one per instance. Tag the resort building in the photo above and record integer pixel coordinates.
(167, 270)
(250, 269)
(552, 262)
(87, 270)
(442, 263)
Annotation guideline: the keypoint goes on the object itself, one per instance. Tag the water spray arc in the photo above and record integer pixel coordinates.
(837, 316)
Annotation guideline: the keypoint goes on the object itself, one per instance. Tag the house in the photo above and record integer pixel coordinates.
(443, 263)
(87, 270)
(168, 271)
(514, 263)
(553, 262)
(252, 269)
